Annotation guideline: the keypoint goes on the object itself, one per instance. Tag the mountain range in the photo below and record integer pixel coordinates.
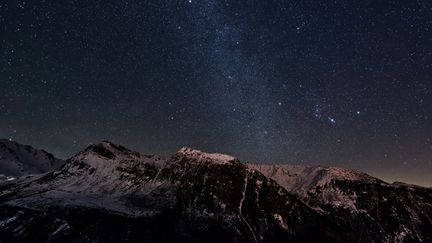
(108, 193)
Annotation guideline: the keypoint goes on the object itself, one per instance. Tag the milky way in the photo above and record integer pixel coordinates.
(310, 82)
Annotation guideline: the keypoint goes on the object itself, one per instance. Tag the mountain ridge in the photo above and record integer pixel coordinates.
(195, 191)
(199, 192)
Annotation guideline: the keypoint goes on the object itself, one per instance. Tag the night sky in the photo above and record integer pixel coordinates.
(345, 83)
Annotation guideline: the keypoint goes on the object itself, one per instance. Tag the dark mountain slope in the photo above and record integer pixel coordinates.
(371, 209)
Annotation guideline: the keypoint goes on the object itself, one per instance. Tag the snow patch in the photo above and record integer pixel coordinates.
(205, 157)
(280, 221)
(64, 226)
(7, 221)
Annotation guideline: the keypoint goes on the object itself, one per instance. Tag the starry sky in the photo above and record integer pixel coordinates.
(345, 83)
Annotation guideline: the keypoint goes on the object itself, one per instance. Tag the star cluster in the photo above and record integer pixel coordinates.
(309, 82)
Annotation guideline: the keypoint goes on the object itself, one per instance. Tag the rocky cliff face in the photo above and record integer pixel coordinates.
(108, 193)
(372, 210)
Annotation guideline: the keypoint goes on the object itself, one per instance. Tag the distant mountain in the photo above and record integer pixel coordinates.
(108, 193)
(18, 160)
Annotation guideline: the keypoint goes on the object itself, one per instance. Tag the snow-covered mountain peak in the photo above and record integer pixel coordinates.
(106, 169)
(103, 158)
(18, 159)
(200, 156)
(300, 179)
(107, 151)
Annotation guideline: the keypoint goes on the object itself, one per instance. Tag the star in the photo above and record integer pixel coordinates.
(221, 71)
